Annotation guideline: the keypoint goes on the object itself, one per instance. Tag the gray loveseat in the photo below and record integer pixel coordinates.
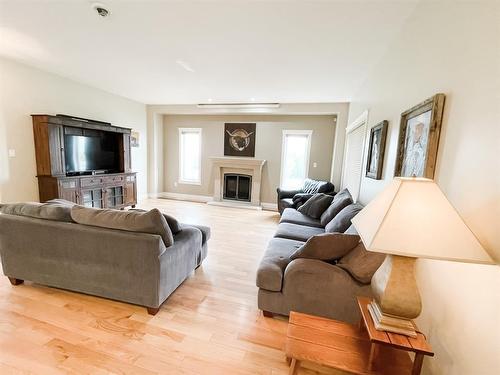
(317, 287)
(41, 243)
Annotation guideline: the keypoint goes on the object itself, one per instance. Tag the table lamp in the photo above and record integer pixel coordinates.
(411, 219)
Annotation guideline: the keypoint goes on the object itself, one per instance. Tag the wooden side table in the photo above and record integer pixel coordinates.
(360, 350)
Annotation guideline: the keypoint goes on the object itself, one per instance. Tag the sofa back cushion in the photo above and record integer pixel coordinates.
(315, 205)
(342, 221)
(341, 200)
(172, 222)
(47, 211)
(361, 264)
(152, 222)
(326, 246)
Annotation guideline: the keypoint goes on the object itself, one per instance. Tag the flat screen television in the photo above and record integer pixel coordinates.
(87, 154)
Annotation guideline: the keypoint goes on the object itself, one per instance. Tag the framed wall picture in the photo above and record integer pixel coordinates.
(419, 138)
(376, 149)
(134, 139)
(239, 139)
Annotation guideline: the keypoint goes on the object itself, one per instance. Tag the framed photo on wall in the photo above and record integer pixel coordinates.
(134, 139)
(376, 149)
(419, 138)
(239, 139)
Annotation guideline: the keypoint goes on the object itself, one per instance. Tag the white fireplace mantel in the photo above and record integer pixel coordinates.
(241, 165)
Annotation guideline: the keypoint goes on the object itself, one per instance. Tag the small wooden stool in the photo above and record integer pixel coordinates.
(360, 350)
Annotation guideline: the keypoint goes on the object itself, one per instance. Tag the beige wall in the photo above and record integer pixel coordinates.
(267, 146)
(25, 90)
(452, 49)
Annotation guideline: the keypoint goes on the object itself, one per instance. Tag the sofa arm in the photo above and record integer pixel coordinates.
(287, 193)
(301, 198)
(315, 287)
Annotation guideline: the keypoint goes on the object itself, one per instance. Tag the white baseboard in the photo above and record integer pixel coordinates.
(269, 206)
(185, 197)
(205, 199)
(246, 206)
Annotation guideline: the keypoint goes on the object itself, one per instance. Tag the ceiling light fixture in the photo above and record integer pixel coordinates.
(185, 65)
(239, 105)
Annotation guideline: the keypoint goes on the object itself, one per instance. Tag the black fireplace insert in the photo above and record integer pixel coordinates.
(237, 187)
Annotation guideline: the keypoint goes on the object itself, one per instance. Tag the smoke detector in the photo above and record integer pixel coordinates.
(101, 10)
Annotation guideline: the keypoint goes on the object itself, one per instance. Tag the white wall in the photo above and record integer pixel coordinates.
(268, 143)
(451, 48)
(24, 91)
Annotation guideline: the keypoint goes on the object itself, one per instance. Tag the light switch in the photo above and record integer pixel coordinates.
(315, 165)
(12, 153)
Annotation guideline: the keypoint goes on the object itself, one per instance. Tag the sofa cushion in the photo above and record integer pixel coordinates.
(133, 221)
(361, 264)
(316, 205)
(291, 215)
(274, 262)
(342, 221)
(342, 199)
(47, 211)
(297, 232)
(326, 246)
(172, 222)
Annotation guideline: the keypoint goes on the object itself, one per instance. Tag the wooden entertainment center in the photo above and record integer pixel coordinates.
(92, 189)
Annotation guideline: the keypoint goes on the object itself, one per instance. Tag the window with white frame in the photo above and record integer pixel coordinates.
(295, 152)
(190, 156)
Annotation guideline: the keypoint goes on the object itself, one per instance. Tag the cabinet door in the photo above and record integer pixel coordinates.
(56, 148)
(68, 189)
(93, 198)
(130, 194)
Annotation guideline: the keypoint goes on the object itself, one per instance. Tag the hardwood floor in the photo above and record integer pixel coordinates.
(209, 325)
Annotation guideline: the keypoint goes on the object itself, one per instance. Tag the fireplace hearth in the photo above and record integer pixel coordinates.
(237, 187)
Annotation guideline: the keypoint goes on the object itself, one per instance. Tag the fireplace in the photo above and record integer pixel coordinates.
(245, 175)
(237, 187)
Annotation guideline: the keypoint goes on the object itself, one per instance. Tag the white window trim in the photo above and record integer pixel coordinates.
(180, 180)
(361, 120)
(283, 148)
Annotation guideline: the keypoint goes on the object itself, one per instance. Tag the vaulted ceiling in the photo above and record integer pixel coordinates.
(159, 52)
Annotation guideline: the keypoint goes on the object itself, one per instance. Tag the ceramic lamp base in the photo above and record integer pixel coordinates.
(395, 288)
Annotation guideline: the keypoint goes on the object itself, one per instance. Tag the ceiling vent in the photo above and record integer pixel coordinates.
(101, 10)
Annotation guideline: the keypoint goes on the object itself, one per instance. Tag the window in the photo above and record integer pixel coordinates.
(295, 158)
(353, 155)
(190, 156)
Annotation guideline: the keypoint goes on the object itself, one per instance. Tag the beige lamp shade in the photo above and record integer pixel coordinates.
(413, 218)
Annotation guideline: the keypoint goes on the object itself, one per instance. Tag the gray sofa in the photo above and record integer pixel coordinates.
(295, 198)
(312, 286)
(49, 249)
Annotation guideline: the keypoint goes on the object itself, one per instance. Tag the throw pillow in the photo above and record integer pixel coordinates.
(326, 246)
(47, 211)
(145, 222)
(310, 186)
(316, 205)
(342, 221)
(341, 200)
(361, 264)
(172, 222)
